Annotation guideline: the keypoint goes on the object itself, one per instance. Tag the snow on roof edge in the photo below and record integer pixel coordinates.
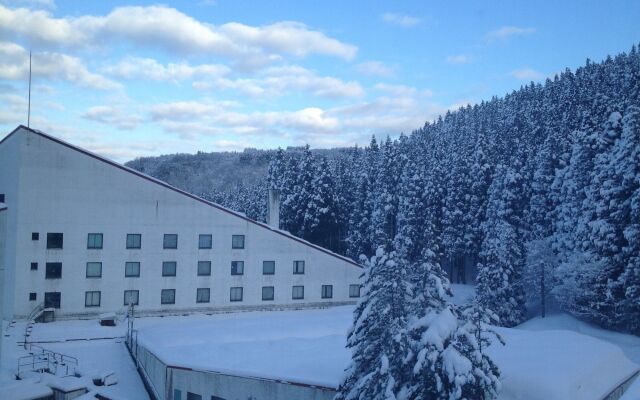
(183, 192)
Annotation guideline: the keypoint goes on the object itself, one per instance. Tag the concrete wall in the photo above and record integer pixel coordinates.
(3, 239)
(9, 186)
(65, 190)
(165, 380)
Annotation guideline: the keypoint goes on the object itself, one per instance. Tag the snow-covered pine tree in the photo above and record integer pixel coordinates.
(448, 361)
(319, 224)
(377, 339)
(628, 152)
(499, 282)
(541, 258)
(360, 237)
(385, 194)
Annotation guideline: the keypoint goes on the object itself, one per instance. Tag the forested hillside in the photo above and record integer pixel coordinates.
(535, 194)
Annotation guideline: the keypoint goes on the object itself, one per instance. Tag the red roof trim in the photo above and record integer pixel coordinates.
(166, 185)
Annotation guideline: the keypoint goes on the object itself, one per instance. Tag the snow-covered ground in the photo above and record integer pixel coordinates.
(557, 357)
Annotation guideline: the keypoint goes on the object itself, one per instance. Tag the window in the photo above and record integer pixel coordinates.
(268, 267)
(54, 240)
(202, 295)
(52, 300)
(170, 241)
(94, 241)
(267, 293)
(1, 197)
(134, 240)
(35, 236)
(193, 396)
(33, 296)
(131, 297)
(168, 296)
(132, 269)
(354, 290)
(298, 267)
(34, 266)
(237, 241)
(177, 395)
(235, 294)
(94, 270)
(297, 293)
(204, 268)
(169, 268)
(205, 242)
(237, 267)
(327, 291)
(92, 299)
(53, 271)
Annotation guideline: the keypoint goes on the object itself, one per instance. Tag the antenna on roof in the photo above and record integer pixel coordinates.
(29, 107)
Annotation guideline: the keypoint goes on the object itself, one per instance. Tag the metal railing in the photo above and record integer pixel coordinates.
(43, 360)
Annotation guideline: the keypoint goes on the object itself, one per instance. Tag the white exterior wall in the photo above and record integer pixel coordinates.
(64, 190)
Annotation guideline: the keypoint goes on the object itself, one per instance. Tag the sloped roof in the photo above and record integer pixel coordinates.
(180, 191)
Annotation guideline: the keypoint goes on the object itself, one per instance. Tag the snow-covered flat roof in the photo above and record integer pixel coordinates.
(306, 346)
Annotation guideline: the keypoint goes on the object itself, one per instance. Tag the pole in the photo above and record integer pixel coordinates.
(29, 107)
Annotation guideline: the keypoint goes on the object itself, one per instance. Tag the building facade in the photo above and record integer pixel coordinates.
(85, 235)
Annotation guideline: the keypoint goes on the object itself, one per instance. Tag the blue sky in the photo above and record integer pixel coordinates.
(147, 78)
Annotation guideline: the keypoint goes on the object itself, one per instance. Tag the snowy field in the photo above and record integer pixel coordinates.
(553, 358)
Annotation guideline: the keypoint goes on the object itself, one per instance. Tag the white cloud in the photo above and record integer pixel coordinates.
(171, 30)
(528, 74)
(282, 80)
(114, 116)
(402, 91)
(148, 68)
(458, 59)
(403, 20)
(14, 65)
(374, 68)
(507, 32)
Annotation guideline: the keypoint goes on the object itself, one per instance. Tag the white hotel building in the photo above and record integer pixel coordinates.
(84, 235)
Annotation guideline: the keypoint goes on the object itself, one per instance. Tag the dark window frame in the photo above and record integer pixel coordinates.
(52, 240)
(162, 300)
(92, 292)
(351, 291)
(293, 292)
(296, 269)
(56, 302)
(33, 296)
(327, 292)
(273, 293)
(132, 245)
(137, 292)
(35, 236)
(193, 396)
(34, 266)
(170, 245)
(235, 244)
(175, 268)
(234, 268)
(210, 239)
(87, 270)
(202, 273)
(264, 264)
(202, 290)
(50, 270)
(92, 244)
(236, 289)
(126, 264)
